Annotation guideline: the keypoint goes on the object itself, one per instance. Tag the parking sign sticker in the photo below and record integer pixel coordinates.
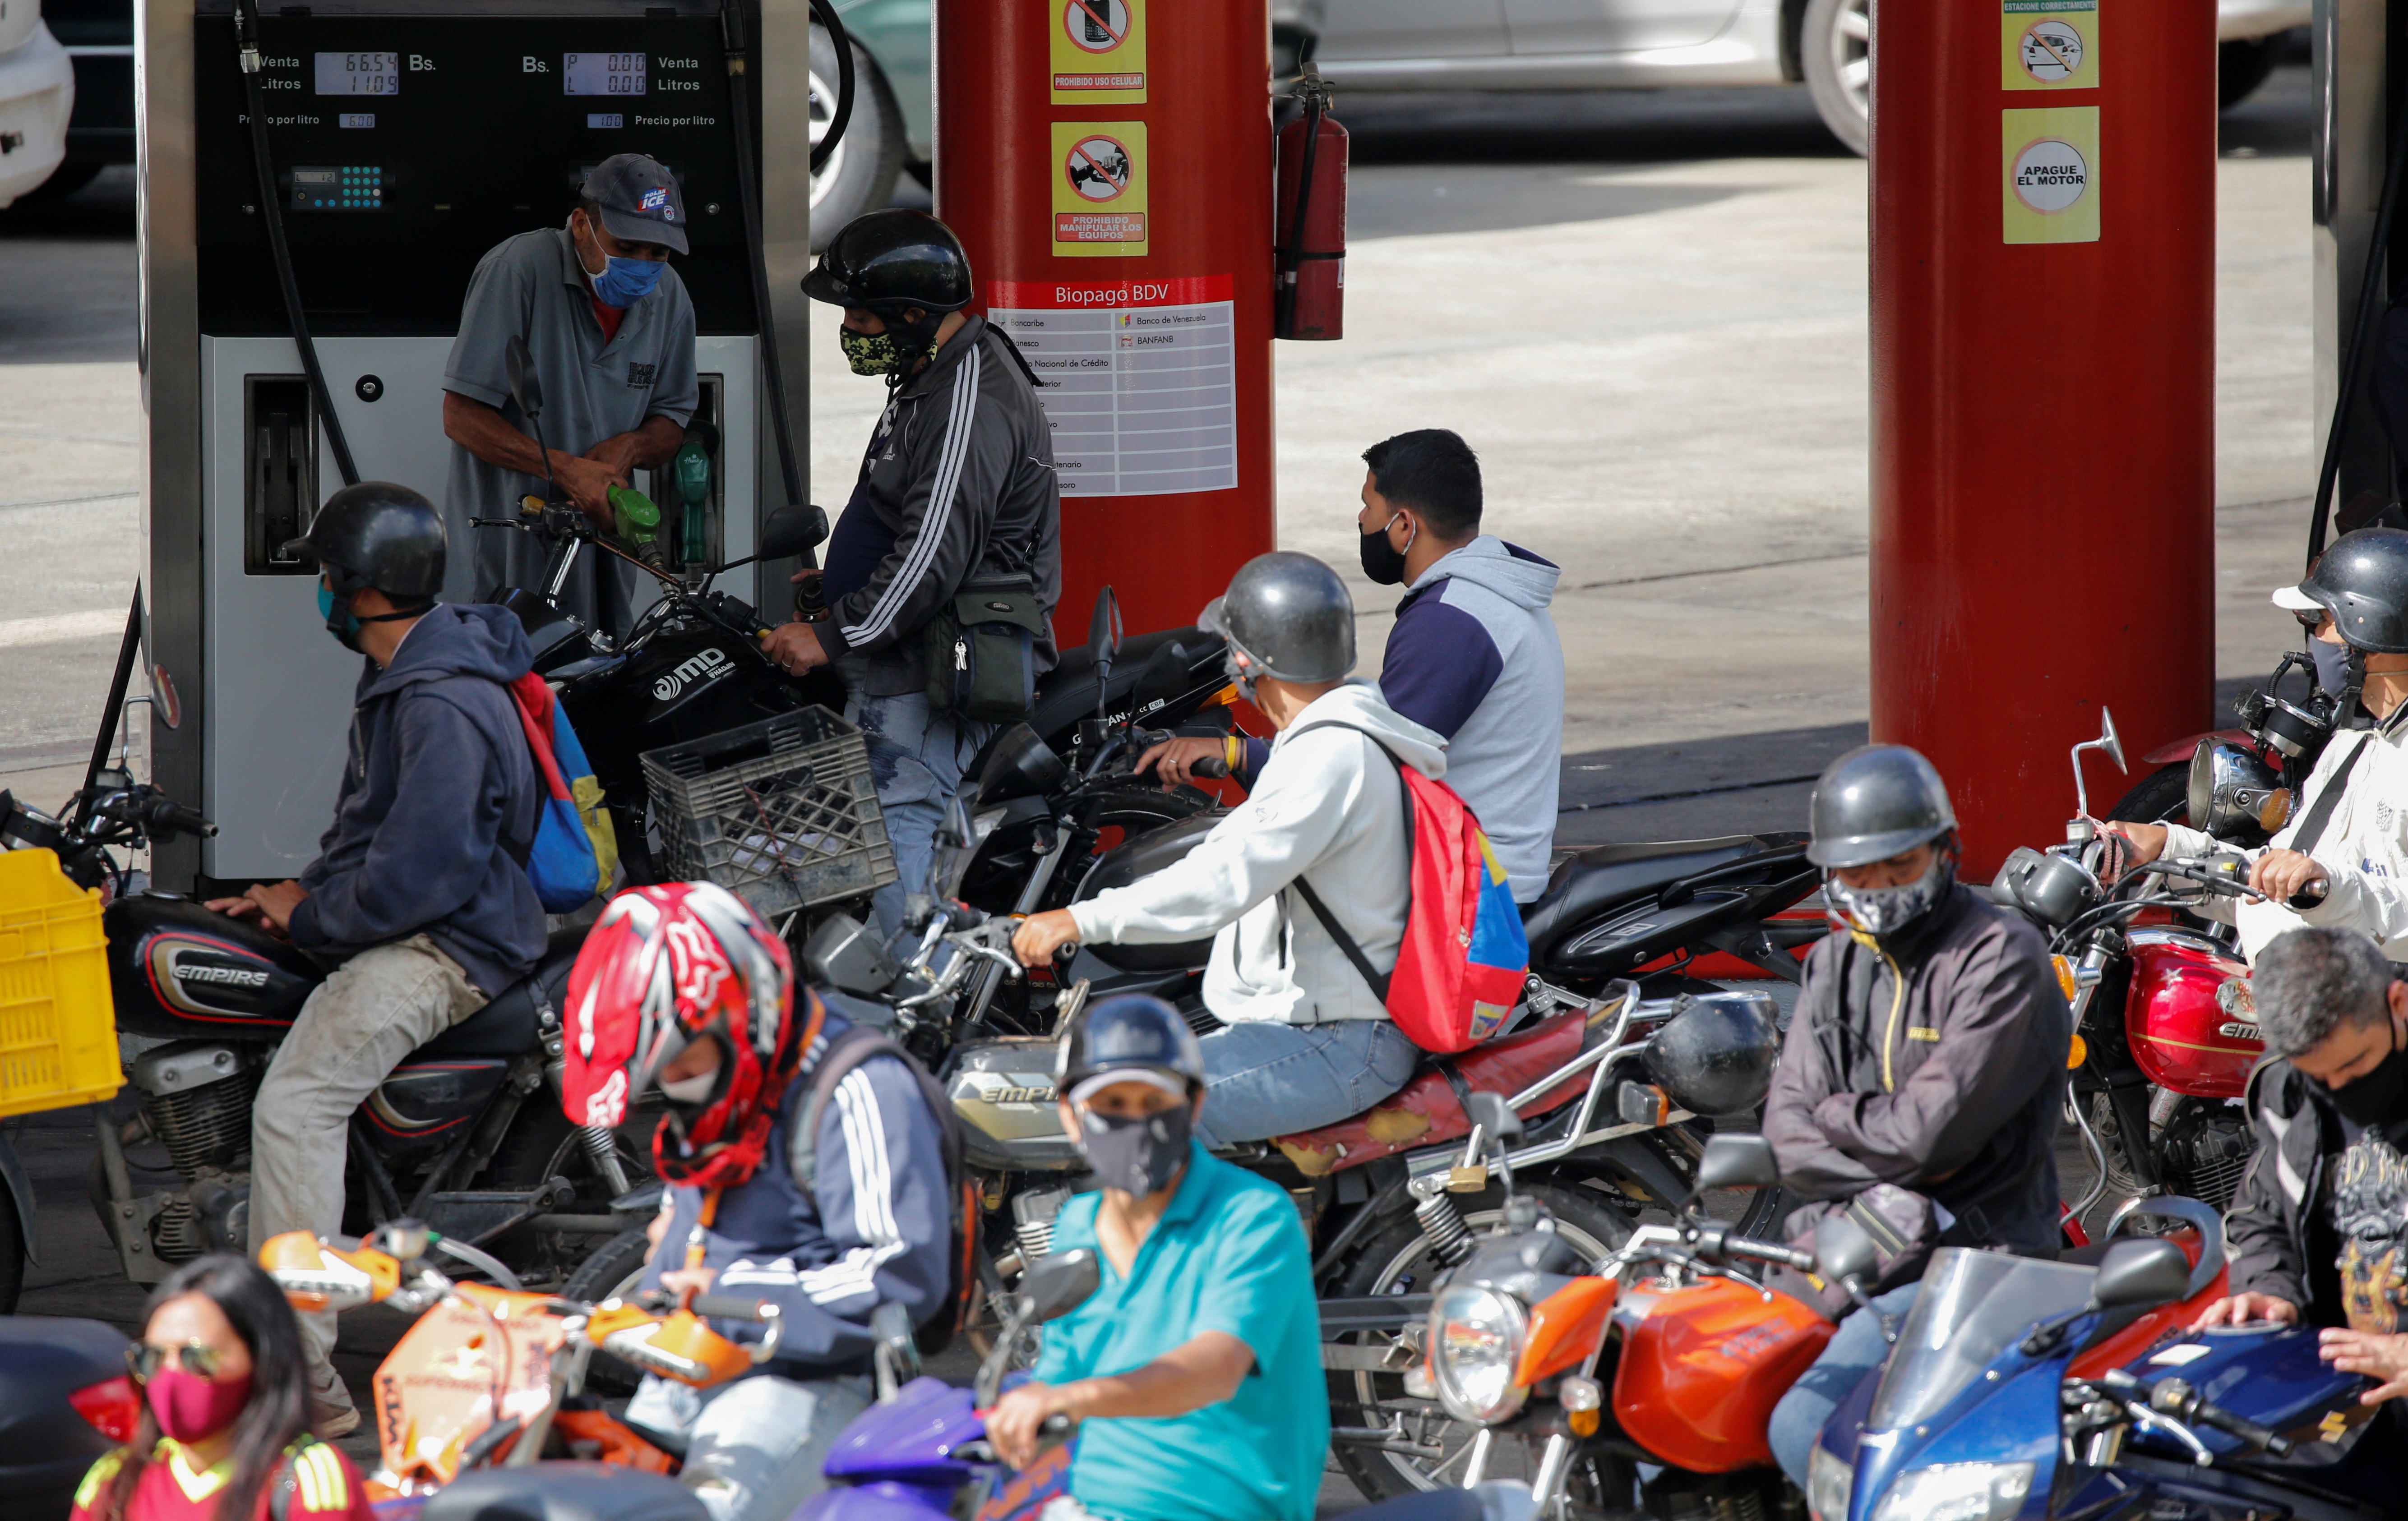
(1099, 53)
(2049, 45)
(1098, 205)
(2049, 160)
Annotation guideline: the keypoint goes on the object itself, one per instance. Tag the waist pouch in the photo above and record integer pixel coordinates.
(982, 650)
(1904, 1229)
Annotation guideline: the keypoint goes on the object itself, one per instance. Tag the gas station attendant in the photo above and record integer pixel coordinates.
(611, 329)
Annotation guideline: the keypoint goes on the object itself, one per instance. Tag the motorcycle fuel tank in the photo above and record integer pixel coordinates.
(687, 681)
(2192, 1026)
(1702, 1368)
(1143, 857)
(175, 969)
(1003, 1090)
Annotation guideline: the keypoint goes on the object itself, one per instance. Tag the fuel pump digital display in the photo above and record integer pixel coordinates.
(603, 74)
(359, 74)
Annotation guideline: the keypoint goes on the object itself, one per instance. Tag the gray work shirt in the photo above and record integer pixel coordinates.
(532, 287)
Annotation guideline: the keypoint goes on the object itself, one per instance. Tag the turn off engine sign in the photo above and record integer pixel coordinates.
(2050, 162)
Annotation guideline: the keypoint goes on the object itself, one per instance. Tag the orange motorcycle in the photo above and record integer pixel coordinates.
(491, 1378)
(1666, 1362)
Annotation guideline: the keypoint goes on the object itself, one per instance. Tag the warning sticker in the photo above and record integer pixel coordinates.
(1099, 53)
(1138, 380)
(1100, 188)
(2050, 161)
(2049, 45)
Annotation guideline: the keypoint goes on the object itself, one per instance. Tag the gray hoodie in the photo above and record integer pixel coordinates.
(1327, 806)
(1474, 657)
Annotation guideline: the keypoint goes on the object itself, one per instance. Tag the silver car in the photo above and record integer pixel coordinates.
(1658, 44)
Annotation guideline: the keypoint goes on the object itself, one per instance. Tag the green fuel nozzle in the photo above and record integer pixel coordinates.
(636, 518)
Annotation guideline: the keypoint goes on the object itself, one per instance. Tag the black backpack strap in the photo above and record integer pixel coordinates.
(846, 1052)
(2311, 828)
(1347, 943)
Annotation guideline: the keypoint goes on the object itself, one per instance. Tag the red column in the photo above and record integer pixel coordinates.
(2043, 349)
(1107, 164)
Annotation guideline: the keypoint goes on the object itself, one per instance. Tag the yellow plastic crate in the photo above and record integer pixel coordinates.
(58, 1029)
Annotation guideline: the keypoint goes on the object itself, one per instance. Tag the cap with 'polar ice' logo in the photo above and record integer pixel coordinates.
(640, 200)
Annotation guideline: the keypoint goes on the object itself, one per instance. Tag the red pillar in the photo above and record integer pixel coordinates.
(1108, 163)
(2043, 349)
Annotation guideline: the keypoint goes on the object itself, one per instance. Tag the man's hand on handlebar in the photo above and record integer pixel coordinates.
(1040, 936)
(2143, 843)
(1012, 1425)
(794, 648)
(2283, 875)
(270, 904)
(1174, 761)
(687, 1282)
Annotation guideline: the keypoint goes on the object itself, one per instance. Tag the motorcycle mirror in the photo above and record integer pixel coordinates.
(1495, 1118)
(519, 366)
(1104, 634)
(1059, 1282)
(792, 530)
(1021, 765)
(1736, 1162)
(2140, 1274)
(2108, 744)
(1842, 1249)
(845, 955)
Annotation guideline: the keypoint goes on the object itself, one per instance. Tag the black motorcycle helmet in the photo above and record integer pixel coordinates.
(888, 263)
(2362, 580)
(376, 534)
(1716, 1056)
(1874, 802)
(1133, 1033)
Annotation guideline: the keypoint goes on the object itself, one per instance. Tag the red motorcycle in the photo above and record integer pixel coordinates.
(2166, 1033)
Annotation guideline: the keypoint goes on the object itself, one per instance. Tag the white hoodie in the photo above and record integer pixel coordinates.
(1327, 806)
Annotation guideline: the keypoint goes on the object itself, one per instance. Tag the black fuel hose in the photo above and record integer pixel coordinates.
(843, 116)
(271, 202)
(2358, 357)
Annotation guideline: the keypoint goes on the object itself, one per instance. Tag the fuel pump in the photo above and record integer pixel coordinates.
(401, 142)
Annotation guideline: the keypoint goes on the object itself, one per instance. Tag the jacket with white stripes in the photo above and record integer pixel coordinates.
(874, 1227)
(964, 483)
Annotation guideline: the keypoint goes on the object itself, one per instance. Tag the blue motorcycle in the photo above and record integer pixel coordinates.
(1987, 1410)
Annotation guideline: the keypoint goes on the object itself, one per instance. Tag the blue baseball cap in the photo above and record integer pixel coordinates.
(640, 200)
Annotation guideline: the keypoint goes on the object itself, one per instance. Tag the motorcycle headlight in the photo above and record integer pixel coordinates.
(1476, 1337)
(1957, 1492)
(1828, 1483)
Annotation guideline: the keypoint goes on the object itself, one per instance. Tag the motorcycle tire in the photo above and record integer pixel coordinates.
(2161, 797)
(611, 1272)
(540, 1145)
(1397, 1261)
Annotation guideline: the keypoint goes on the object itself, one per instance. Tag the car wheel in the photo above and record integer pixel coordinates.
(1835, 48)
(67, 178)
(2241, 65)
(860, 174)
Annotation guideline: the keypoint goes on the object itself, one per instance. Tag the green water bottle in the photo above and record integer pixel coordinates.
(632, 511)
(690, 470)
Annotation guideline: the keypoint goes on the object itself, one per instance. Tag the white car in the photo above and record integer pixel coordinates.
(36, 97)
(1658, 44)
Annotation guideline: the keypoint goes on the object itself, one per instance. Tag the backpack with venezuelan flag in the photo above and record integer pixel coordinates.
(575, 849)
(1463, 959)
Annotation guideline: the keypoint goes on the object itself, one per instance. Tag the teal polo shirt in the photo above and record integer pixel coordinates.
(1228, 1255)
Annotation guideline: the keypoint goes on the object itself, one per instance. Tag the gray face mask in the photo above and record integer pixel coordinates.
(2332, 666)
(1137, 1156)
(1885, 911)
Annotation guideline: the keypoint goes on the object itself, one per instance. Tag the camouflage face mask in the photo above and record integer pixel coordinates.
(870, 353)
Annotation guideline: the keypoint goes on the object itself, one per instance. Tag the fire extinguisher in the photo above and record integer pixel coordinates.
(1310, 233)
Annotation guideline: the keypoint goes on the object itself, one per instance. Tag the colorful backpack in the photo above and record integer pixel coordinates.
(575, 849)
(1464, 960)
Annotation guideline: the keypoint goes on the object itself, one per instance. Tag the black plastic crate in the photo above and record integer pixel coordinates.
(782, 813)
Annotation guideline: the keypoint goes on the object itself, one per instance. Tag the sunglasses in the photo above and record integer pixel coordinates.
(143, 1359)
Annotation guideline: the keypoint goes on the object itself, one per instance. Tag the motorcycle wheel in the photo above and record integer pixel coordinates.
(542, 1144)
(1397, 1261)
(611, 1272)
(2162, 797)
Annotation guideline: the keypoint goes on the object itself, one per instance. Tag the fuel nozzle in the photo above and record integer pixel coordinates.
(636, 520)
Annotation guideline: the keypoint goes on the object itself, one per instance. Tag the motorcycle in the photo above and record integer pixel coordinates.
(2018, 1390)
(2239, 784)
(2167, 1031)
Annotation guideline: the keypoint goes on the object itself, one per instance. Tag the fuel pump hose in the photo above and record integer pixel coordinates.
(2358, 357)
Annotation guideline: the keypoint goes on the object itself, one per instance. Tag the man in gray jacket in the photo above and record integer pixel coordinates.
(956, 494)
(1473, 656)
(1928, 1051)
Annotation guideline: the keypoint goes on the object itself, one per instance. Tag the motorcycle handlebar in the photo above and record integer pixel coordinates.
(167, 816)
(1787, 1257)
(2176, 1398)
(732, 1307)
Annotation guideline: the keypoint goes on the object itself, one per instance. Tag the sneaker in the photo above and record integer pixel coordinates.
(332, 1414)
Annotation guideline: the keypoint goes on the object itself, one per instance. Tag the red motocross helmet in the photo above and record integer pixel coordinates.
(665, 966)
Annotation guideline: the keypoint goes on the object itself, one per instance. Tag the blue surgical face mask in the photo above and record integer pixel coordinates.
(625, 281)
(348, 630)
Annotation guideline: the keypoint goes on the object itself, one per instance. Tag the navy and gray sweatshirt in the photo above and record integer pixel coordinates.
(440, 777)
(876, 1225)
(1474, 656)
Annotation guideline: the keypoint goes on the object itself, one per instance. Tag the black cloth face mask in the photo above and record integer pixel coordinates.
(1382, 562)
(1136, 1156)
(2374, 1099)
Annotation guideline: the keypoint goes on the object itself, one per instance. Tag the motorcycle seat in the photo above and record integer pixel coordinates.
(1609, 876)
(564, 1491)
(512, 1023)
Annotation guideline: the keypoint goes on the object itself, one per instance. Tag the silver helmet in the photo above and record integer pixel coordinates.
(2362, 580)
(1874, 803)
(1289, 615)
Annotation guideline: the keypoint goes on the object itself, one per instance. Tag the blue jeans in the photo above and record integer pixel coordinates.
(1262, 1078)
(916, 761)
(1855, 1353)
(754, 1446)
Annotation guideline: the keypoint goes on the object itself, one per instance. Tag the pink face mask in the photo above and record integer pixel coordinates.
(190, 1407)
